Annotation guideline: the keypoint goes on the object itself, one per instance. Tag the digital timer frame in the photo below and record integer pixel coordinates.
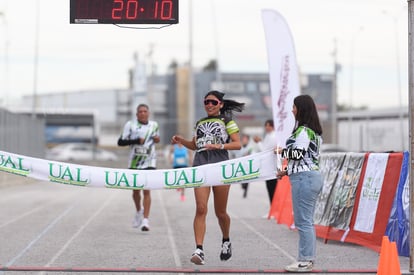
(123, 11)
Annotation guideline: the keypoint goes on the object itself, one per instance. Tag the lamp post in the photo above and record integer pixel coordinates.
(351, 81)
(351, 73)
(35, 61)
(334, 95)
(6, 60)
(191, 107)
(398, 72)
(216, 46)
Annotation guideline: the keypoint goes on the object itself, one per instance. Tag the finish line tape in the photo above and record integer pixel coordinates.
(255, 167)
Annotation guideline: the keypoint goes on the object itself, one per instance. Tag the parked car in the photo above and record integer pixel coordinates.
(79, 151)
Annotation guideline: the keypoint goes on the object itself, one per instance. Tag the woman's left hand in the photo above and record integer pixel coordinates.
(278, 150)
(281, 173)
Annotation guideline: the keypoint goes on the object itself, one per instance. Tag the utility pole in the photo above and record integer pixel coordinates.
(191, 102)
(334, 95)
(398, 71)
(6, 62)
(351, 87)
(36, 61)
(411, 122)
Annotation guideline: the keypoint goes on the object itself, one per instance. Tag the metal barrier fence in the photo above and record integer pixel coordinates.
(22, 134)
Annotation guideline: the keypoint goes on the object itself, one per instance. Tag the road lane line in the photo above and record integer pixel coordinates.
(22, 216)
(170, 232)
(81, 229)
(263, 237)
(32, 211)
(38, 237)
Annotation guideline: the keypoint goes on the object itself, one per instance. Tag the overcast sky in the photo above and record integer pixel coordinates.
(369, 35)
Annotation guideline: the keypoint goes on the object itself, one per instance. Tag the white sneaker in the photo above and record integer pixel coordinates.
(300, 267)
(136, 222)
(145, 225)
(197, 257)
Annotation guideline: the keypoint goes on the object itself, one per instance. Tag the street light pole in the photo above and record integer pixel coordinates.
(191, 107)
(334, 95)
(216, 46)
(398, 71)
(351, 84)
(35, 61)
(6, 61)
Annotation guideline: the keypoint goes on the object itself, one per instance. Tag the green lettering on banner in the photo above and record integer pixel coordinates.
(122, 180)
(369, 191)
(239, 171)
(182, 178)
(65, 174)
(13, 166)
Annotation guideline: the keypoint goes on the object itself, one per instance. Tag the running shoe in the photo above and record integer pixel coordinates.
(197, 257)
(225, 253)
(305, 266)
(145, 225)
(136, 222)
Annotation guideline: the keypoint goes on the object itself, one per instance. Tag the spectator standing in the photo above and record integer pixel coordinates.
(269, 142)
(302, 152)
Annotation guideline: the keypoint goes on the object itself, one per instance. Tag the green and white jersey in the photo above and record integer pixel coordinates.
(141, 155)
(213, 130)
(306, 140)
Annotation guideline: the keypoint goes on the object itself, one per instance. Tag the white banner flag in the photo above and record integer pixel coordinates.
(255, 167)
(370, 193)
(283, 71)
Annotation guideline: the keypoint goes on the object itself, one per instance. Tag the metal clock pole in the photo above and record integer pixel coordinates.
(411, 123)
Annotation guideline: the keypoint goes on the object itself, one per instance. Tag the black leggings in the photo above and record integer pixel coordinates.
(271, 187)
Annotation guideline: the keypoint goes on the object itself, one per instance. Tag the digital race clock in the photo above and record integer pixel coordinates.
(124, 11)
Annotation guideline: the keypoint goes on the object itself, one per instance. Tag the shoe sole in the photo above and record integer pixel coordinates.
(145, 229)
(195, 259)
(223, 259)
(299, 271)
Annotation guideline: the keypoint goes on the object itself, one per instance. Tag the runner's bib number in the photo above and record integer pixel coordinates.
(141, 151)
(181, 160)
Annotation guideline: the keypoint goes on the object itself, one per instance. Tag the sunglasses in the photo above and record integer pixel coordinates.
(212, 101)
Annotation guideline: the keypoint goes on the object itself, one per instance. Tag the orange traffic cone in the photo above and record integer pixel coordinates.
(389, 263)
(383, 259)
(395, 261)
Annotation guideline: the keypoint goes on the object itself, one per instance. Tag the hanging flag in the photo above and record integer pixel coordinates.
(283, 71)
(371, 190)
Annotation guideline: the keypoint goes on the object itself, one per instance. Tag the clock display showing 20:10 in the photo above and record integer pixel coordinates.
(131, 9)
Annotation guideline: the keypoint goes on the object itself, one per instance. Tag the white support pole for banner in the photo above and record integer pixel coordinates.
(411, 118)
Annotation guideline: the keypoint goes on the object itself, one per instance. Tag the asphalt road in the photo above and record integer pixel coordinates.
(48, 228)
